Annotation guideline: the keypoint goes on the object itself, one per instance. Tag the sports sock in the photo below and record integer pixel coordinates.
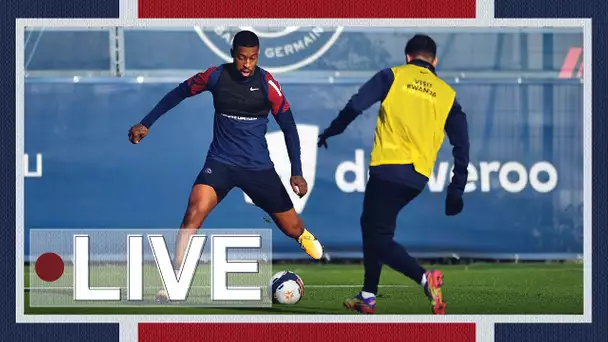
(423, 281)
(367, 295)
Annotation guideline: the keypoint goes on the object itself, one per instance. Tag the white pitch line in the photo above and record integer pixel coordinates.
(351, 286)
(204, 287)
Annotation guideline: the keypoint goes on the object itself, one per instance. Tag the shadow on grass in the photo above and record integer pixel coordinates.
(300, 308)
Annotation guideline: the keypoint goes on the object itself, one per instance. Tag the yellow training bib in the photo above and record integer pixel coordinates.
(410, 127)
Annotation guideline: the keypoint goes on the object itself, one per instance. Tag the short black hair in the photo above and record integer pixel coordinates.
(421, 45)
(245, 39)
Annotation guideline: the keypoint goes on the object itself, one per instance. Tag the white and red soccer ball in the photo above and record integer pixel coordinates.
(287, 288)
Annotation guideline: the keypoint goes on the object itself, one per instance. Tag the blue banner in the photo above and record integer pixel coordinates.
(525, 193)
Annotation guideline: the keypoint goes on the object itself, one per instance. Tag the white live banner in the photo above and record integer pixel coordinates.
(120, 267)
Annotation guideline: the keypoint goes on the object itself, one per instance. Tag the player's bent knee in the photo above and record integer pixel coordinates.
(196, 214)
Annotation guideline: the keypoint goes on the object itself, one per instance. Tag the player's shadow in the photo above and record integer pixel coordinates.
(300, 308)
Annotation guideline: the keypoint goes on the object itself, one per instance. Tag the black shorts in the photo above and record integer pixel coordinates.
(263, 187)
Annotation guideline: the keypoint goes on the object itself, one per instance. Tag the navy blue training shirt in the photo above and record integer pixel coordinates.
(375, 90)
(241, 115)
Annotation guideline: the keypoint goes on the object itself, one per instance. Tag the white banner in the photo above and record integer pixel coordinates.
(116, 267)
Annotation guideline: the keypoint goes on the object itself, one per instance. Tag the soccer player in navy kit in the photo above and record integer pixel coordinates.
(243, 94)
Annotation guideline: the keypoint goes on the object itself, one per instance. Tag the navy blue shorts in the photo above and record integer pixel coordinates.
(263, 187)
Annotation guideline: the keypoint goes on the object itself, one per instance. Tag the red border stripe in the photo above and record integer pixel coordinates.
(307, 9)
(298, 332)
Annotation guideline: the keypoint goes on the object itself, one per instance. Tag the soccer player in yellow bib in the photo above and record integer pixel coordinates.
(416, 108)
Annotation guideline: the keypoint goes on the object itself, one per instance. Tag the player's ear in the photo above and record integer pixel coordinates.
(435, 62)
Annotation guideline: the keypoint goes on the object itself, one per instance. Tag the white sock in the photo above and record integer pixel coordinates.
(367, 295)
(423, 281)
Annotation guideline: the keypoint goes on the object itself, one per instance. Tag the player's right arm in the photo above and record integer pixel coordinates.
(199, 83)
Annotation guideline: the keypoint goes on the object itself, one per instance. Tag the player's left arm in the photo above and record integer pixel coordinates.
(456, 128)
(281, 111)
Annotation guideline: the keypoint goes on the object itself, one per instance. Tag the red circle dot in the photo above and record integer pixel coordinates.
(49, 267)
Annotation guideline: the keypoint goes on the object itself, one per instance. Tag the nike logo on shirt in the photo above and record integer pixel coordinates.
(253, 89)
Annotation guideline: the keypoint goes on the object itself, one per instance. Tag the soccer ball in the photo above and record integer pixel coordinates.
(287, 288)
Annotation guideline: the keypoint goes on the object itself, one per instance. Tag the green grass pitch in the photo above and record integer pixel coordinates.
(489, 288)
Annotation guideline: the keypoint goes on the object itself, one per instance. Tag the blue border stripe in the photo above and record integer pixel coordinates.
(33, 9)
(597, 10)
